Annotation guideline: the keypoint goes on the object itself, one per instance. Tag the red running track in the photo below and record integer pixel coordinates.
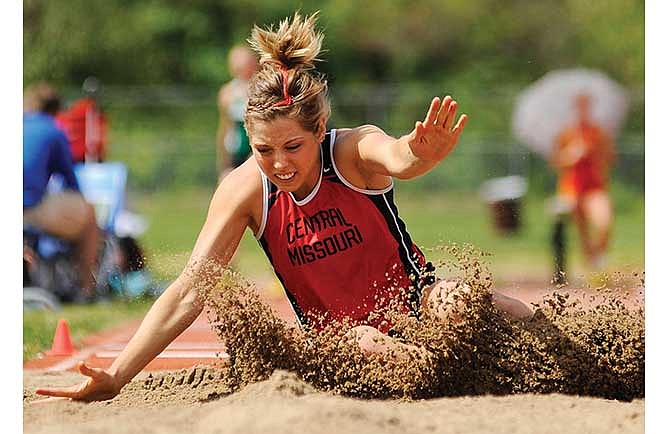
(198, 344)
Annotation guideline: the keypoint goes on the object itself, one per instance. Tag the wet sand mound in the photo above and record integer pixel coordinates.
(182, 387)
(285, 404)
(281, 385)
(202, 384)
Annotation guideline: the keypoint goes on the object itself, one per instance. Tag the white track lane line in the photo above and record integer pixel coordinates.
(72, 361)
(173, 355)
(214, 346)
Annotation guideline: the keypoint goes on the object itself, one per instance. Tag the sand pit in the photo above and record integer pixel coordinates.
(285, 404)
(576, 366)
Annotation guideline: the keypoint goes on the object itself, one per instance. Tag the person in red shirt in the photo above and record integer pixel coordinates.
(85, 125)
(583, 156)
(320, 204)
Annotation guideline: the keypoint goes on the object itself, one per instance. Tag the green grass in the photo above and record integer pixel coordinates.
(39, 326)
(175, 218)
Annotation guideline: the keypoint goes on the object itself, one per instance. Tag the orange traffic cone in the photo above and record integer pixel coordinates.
(62, 344)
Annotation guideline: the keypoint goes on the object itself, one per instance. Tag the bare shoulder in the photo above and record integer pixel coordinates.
(351, 137)
(348, 140)
(241, 193)
(351, 146)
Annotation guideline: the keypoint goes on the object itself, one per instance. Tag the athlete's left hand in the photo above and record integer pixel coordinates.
(435, 137)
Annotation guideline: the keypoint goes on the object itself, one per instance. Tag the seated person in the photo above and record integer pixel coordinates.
(65, 214)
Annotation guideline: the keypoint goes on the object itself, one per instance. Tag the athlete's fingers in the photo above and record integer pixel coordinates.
(432, 112)
(451, 115)
(444, 111)
(416, 132)
(94, 373)
(69, 392)
(460, 125)
(419, 129)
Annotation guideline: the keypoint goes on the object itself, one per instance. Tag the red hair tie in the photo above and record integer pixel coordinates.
(287, 97)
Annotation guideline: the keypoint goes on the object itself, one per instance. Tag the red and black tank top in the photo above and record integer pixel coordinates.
(341, 251)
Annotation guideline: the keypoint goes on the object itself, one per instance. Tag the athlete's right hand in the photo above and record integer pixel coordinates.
(100, 386)
(435, 137)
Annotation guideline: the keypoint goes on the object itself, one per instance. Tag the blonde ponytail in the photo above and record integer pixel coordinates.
(286, 84)
(295, 44)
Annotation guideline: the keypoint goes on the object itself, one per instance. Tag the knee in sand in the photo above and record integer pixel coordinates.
(445, 299)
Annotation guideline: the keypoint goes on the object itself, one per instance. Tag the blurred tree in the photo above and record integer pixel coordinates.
(481, 51)
(384, 60)
(172, 41)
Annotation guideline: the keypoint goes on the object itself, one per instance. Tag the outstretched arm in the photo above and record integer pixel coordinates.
(416, 153)
(229, 214)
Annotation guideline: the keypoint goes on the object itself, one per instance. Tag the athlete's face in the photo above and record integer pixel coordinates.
(288, 154)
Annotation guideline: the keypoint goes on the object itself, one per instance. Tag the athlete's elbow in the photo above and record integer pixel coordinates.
(410, 170)
(192, 300)
(187, 296)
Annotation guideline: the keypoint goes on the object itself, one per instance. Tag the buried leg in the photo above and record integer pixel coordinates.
(372, 341)
(445, 300)
(513, 307)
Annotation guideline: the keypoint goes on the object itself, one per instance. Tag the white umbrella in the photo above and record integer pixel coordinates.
(547, 106)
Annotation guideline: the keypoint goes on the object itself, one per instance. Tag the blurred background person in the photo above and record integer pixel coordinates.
(583, 156)
(232, 142)
(85, 124)
(64, 214)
